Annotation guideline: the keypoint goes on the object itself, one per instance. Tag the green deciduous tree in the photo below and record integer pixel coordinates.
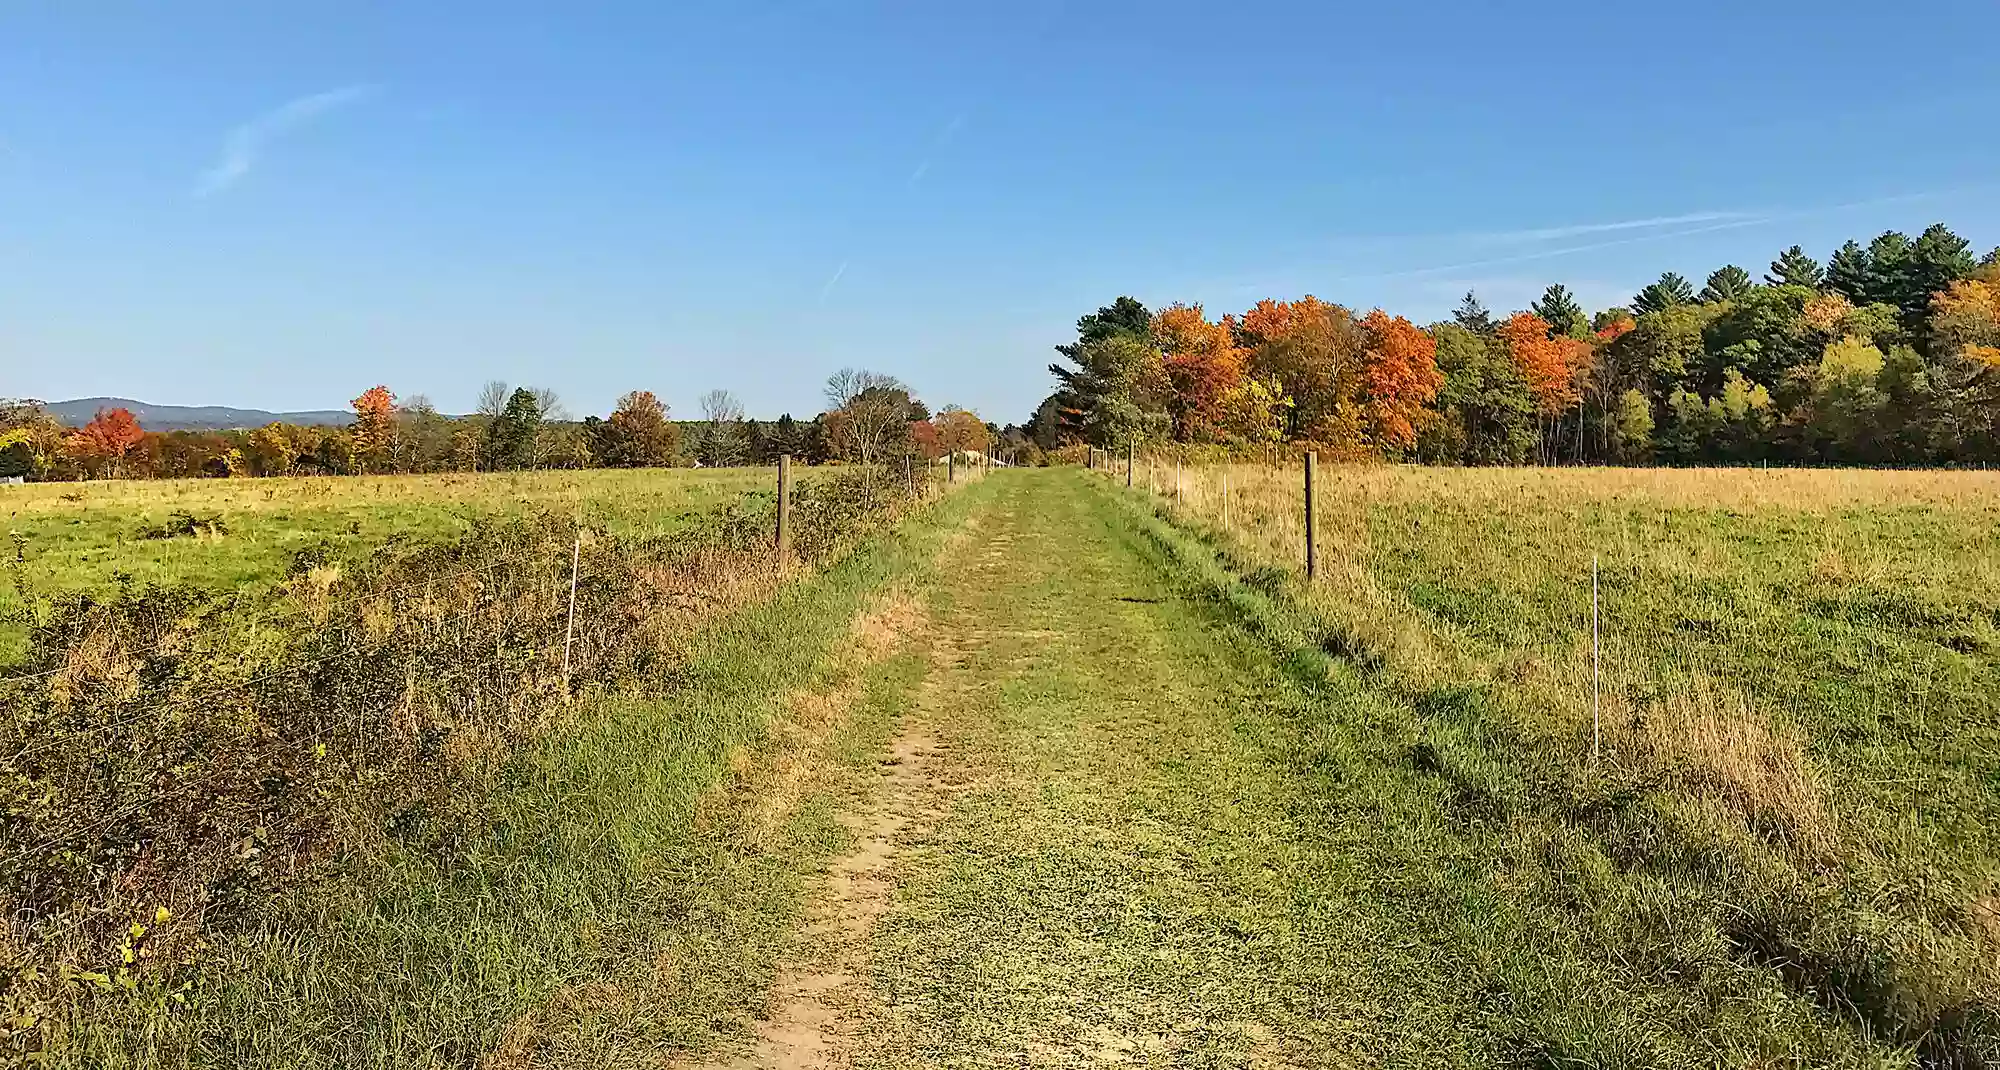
(1486, 413)
(511, 436)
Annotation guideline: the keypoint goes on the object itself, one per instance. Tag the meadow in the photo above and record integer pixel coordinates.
(236, 534)
(1726, 726)
(1545, 767)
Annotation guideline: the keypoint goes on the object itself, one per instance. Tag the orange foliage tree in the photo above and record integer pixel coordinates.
(1312, 350)
(1399, 378)
(1554, 367)
(374, 426)
(1202, 363)
(960, 431)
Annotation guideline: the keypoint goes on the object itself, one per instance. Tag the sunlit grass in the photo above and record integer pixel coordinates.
(82, 537)
(1797, 696)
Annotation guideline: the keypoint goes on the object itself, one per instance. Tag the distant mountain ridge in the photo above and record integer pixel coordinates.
(78, 411)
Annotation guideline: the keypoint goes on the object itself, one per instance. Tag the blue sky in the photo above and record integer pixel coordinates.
(278, 205)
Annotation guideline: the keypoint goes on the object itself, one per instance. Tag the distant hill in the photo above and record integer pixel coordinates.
(78, 412)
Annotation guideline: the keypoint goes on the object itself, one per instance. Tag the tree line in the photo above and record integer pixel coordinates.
(870, 418)
(1889, 353)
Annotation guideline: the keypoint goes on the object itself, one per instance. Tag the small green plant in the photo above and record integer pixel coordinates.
(184, 524)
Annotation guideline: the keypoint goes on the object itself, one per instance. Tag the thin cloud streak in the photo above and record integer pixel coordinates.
(938, 141)
(1576, 230)
(1544, 254)
(828, 288)
(1728, 224)
(246, 143)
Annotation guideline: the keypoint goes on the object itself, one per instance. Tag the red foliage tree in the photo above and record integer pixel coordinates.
(1202, 362)
(924, 440)
(106, 440)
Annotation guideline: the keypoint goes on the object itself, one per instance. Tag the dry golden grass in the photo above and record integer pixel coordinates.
(1715, 741)
(1447, 576)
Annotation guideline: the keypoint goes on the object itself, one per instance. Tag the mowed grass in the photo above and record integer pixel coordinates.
(1785, 782)
(83, 537)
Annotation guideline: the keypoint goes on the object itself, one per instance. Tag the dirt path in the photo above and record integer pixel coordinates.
(1086, 843)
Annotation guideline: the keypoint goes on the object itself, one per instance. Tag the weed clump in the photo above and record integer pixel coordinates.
(182, 524)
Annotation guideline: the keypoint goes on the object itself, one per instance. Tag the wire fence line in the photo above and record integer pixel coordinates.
(381, 704)
(1731, 620)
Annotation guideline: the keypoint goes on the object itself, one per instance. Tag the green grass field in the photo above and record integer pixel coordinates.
(1060, 773)
(79, 537)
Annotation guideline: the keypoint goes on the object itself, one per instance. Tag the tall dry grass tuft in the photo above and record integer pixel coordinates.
(1713, 741)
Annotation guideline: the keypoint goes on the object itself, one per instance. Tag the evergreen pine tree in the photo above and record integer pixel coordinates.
(1794, 268)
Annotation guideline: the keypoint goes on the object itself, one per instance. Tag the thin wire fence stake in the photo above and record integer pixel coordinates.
(1596, 669)
(569, 629)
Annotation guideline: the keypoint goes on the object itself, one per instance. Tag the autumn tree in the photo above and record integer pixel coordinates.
(374, 428)
(1612, 324)
(102, 445)
(640, 433)
(1312, 351)
(1548, 364)
(31, 440)
(1253, 412)
(1399, 378)
(960, 431)
(269, 451)
(924, 444)
(1202, 362)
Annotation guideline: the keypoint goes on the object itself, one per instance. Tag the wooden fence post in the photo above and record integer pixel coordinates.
(951, 467)
(1131, 457)
(1312, 544)
(784, 509)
